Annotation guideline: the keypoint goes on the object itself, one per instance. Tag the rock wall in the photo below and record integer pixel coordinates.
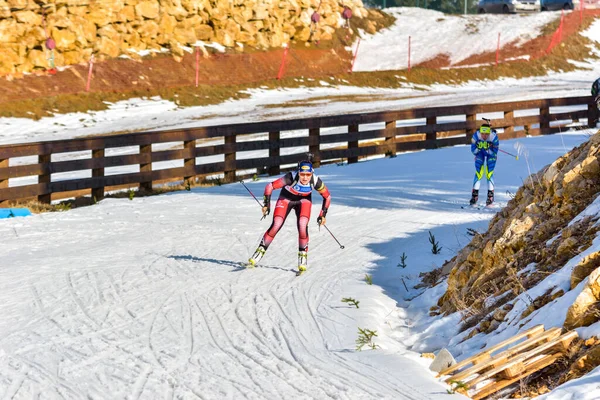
(532, 237)
(30, 29)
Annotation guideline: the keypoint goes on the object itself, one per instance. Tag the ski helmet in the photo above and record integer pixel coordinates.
(305, 166)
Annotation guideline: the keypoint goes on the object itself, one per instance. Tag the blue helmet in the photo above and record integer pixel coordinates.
(305, 166)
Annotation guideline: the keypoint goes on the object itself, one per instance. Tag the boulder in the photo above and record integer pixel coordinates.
(581, 312)
(442, 361)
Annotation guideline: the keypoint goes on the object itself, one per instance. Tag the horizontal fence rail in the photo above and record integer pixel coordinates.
(54, 170)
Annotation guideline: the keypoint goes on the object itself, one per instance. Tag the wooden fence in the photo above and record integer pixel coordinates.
(113, 162)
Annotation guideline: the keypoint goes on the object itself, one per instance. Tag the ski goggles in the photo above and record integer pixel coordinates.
(485, 130)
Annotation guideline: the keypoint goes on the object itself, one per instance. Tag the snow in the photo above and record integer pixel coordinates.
(460, 37)
(145, 298)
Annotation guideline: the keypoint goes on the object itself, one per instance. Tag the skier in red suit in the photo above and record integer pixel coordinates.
(296, 194)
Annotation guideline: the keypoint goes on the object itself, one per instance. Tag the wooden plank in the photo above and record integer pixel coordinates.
(495, 386)
(274, 152)
(45, 178)
(534, 335)
(189, 160)
(508, 362)
(98, 193)
(230, 159)
(145, 138)
(352, 143)
(3, 181)
(146, 166)
(315, 146)
(390, 138)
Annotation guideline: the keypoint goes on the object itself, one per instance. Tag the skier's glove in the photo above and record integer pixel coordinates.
(321, 221)
(266, 205)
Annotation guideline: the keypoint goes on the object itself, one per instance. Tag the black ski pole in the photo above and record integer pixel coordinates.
(334, 238)
(252, 194)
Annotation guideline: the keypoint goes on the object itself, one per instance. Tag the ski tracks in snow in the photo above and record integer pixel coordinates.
(154, 327)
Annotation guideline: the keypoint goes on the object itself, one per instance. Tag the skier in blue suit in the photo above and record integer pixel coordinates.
(484, 146)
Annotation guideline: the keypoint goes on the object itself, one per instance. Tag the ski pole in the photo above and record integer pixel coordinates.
(512, 155)
(252, 194)
(338, 242)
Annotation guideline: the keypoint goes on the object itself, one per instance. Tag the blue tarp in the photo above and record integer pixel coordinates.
(14, 212)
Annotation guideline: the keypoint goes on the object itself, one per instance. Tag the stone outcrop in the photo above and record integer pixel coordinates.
(532, 237)
(113, 28)
(585, 311)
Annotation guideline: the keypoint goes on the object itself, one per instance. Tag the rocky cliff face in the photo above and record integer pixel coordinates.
(534, 236)
(29, 29)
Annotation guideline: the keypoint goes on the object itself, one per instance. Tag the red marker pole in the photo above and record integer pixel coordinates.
(355, 54)
(89, 79)
(197, 64)
(409, 54)
(498, 49)
(280, 73)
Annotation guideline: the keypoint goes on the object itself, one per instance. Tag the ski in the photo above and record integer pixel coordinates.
(478, 207)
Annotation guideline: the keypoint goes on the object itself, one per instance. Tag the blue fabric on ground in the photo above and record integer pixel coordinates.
(14, 212)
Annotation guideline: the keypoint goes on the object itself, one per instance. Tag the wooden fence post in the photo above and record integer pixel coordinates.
(314, 147)
(44, 178)
(544, 119)
(592, 114)
(98, 193)
(390, 138)
(189, 161)
(230, 158)
(431, 137)
(3, 182)
(509, 131)
(470, 131)
(352, 144)
(146, 166)
(274, 151)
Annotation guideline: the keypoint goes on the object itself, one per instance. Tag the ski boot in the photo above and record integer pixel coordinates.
(258, 254)
(302, 261)
(474, 197)
(490, 198)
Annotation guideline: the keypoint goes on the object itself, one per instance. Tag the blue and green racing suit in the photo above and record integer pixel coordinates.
(486, 152)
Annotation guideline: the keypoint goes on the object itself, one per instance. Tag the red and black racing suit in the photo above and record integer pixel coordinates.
(298, 197)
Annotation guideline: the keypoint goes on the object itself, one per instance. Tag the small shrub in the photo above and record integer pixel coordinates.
(435, 246)
(254, 178)
(457, 386)
(403, 258)
(368, 279)
(351, 301)
(365, 338)
(63, 206)
(188, 186)
(131, 194)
